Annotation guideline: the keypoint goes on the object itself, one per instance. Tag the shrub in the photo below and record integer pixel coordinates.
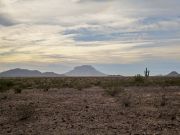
(5, 85)
(17, 90)
(126, 100)
(80, 84)
(97, 83)
(79, 87)
(46, 87)
(138, 79)
(163, 101)
(113, 91)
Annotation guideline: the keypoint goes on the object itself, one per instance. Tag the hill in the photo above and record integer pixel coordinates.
(85, 70)
(17, 72)
(174, 74)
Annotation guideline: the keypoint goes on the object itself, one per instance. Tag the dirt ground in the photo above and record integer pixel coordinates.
(135, 111)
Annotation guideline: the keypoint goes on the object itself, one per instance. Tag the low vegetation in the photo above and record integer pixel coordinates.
(81, 83)
(139, 80)
(6, 84)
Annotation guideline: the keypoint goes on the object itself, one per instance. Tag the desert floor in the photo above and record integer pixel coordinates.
(91, 111)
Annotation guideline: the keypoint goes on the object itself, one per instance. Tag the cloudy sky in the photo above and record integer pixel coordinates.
(115, 36)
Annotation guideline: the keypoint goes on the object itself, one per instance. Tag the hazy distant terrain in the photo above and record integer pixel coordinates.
(85, 70)
(27, 73)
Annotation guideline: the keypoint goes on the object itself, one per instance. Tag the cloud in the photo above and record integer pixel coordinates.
(5, 20)
(33, 43)
(81, 1)
(89, 31)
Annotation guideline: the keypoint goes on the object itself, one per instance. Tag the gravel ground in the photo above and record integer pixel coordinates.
(135, 111)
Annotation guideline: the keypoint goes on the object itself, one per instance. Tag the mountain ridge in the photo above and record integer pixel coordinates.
(18, 72)
(84, 70)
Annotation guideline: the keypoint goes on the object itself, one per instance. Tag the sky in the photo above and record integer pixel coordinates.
(115, 36)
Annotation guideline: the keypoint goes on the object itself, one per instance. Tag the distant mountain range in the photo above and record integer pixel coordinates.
(27, 73)
(85, 70)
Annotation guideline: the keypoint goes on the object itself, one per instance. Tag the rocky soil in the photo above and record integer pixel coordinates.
(135, 111)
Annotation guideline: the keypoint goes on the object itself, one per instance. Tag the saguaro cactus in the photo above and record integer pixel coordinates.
(146, 73)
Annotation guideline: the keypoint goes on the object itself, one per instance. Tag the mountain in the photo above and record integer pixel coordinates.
(174, 74)
(27, 73)
(85, 70)
(51, 74)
